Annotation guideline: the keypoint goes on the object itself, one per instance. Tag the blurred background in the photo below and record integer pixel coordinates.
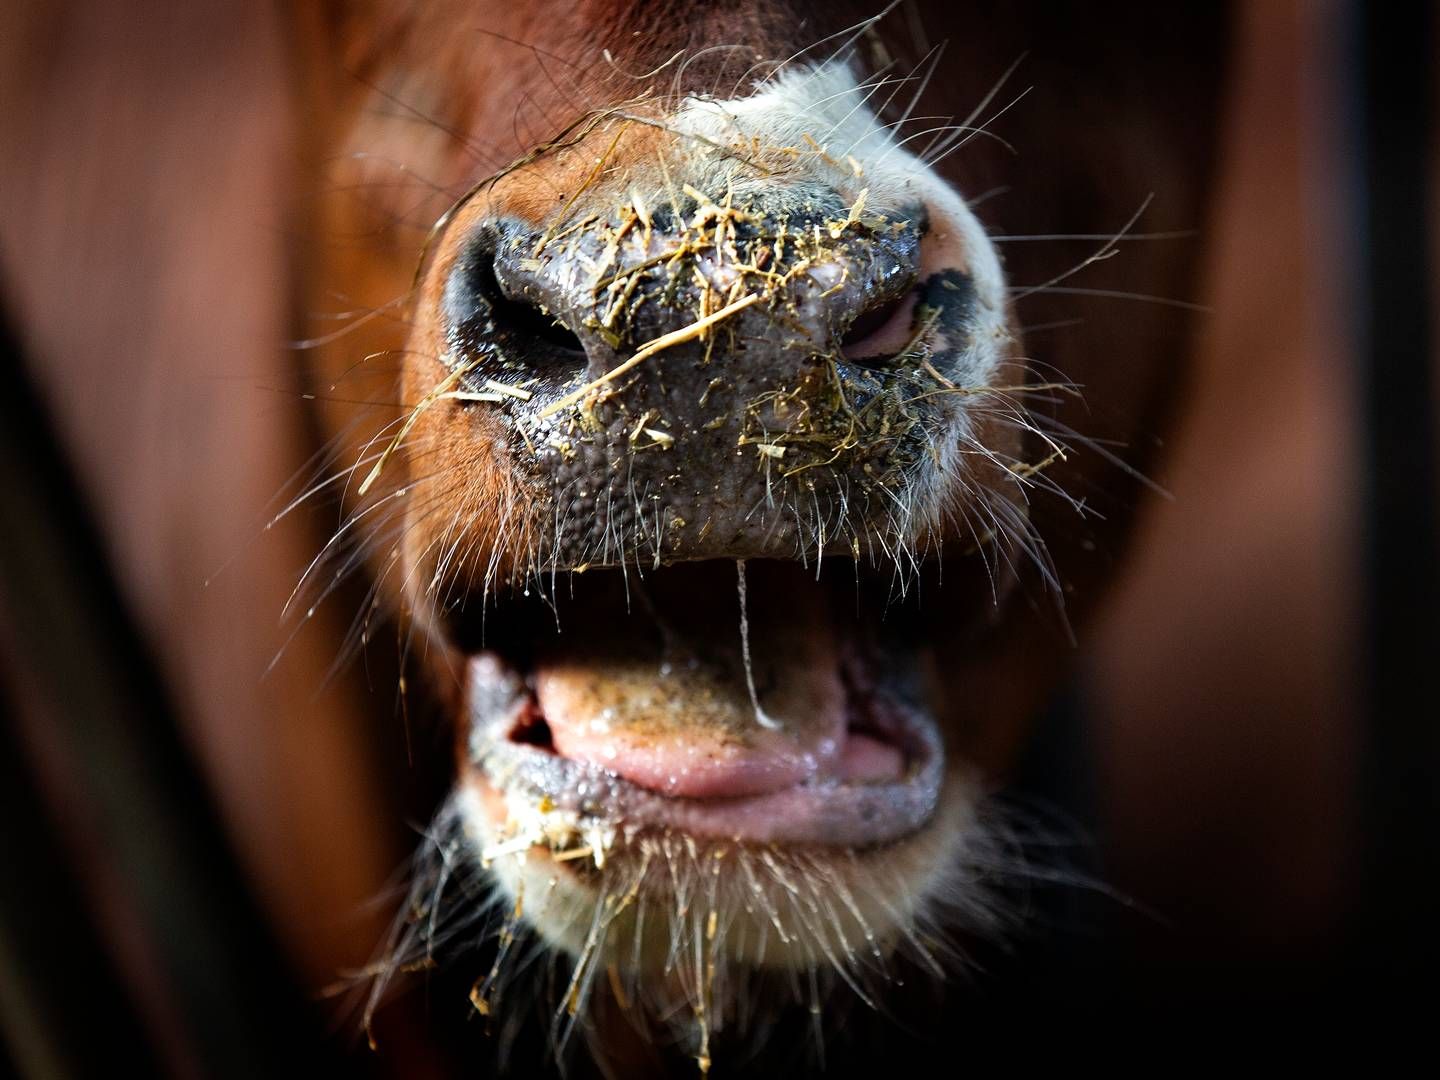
(192, 846)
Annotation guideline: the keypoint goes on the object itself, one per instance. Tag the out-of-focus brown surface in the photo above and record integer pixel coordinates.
(1225, 668)
(146, 193)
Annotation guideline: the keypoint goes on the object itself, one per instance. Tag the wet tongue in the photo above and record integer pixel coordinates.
(664, 699)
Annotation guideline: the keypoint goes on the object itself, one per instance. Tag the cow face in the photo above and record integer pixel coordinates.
(708, 496)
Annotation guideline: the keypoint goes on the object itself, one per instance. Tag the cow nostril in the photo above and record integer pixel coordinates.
(520, 317)
(878, 330)
(525, 317)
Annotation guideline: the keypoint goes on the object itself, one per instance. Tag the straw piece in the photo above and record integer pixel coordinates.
(665, 341)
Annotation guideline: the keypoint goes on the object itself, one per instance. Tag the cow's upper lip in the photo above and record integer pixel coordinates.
(851, 759)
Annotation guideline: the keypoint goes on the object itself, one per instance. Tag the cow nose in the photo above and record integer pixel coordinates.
(755, 293)
(739, 379)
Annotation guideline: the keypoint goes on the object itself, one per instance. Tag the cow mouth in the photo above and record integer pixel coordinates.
(760, 702)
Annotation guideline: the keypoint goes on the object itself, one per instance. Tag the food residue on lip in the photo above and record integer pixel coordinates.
(532, 822)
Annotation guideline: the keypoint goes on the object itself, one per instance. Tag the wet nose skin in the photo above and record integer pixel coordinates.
(676, 454)
(616, 285)
(817, 270)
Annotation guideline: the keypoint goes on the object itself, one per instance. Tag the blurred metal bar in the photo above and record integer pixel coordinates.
(131, 789)
(1394, 88)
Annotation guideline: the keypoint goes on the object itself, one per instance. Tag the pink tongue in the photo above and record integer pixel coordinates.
(685, 726)
(688, 731)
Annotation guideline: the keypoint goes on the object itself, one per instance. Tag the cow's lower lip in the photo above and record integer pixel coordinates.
(825, 813)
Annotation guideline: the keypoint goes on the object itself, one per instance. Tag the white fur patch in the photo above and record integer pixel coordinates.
(822, 113)
(819, 120)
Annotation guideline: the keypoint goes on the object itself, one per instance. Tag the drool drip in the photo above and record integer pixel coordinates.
(710, 725)
(761, 717)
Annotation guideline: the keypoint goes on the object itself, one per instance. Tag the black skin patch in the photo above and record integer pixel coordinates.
(947, 303)
(951, 293)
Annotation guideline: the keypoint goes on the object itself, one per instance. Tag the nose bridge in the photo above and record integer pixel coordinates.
(795, 272)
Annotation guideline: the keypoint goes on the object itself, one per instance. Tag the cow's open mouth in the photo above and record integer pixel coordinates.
(762, 703)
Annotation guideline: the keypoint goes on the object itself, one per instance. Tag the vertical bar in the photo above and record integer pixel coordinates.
(1399, 775)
